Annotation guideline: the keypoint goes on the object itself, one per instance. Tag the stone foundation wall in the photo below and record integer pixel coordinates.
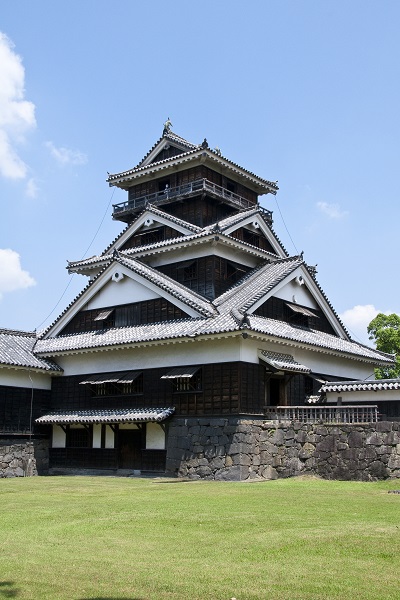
(23, 458)
(241, 449)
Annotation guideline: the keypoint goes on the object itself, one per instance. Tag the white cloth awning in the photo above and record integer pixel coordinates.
(282, 362)
(103, 315)
(99, 379)
(181, 372)
(301, 309)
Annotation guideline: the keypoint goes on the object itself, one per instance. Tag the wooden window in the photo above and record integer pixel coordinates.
(188, 384)
(190, 271)
(78, 437)
(119, 388)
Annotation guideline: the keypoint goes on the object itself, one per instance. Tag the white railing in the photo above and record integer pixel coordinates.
(324, 414)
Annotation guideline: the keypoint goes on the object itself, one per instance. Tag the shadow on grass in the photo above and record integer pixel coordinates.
(110, 598)
(8, 589)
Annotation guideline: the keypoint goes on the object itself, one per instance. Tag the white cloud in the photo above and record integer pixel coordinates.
(333, 211)
(66, 156)
(17, 115)
(12, 276)
(358, 318)
(31, 189)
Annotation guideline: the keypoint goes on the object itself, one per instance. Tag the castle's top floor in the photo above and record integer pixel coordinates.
(175, 171)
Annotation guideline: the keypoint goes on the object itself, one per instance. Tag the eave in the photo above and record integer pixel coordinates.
(126, 179)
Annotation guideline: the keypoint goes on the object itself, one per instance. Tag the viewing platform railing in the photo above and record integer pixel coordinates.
(324, 414)
(185, 191)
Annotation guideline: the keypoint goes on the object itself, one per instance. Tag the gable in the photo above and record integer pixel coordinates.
(169, 151)
(120, 290)
(253, 230)
(151, 226)
(298, 301)
(168, 146)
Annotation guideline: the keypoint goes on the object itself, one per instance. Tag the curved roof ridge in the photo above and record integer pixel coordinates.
(248, 289)
(156, 211)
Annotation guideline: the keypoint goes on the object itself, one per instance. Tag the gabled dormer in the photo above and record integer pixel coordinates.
(192, 182)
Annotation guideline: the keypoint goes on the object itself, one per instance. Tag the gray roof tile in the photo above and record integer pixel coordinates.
(361, 386)
(312, 337)
(123, 415)
(16, 350)
(256, 284)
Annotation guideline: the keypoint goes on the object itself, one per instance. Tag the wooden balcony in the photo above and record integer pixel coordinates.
(125, 210)
(324, 414)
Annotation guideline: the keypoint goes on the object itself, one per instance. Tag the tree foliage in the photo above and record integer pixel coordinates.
(384, 330)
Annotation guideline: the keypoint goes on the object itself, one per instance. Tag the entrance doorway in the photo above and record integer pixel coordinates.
(130, 449)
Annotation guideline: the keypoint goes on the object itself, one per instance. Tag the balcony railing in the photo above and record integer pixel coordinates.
(324, 414)
(185, 191)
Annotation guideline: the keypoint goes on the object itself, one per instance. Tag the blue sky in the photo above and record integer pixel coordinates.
(303, 92)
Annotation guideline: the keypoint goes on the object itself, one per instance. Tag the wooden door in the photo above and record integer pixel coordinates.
(130, 449)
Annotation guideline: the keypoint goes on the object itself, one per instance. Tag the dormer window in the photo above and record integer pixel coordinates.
(301, 315)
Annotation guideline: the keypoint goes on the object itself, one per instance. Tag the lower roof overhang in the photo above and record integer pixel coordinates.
(107, 416)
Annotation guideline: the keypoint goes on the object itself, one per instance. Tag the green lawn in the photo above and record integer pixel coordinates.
(110, 538)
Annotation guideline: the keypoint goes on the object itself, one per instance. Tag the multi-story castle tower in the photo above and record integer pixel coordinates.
(195, 311)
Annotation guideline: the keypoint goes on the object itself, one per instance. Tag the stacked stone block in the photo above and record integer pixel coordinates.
(23, 458)
(243, 449)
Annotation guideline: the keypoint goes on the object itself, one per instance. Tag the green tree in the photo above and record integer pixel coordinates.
(384, 330)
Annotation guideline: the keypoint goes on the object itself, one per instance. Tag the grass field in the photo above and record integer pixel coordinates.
(112, 538)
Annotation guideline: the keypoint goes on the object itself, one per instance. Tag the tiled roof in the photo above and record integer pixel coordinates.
(361, 386)
(162, 281)
(157, 213)
(192, 154)
(226, 314)
(199, 238)
(283, 362)
(312, 337)
(178, 290)
(199, 234)
(256, 284)
(16, 350)
(172, 137)
(123, 415)
(119, 336)
(192, 328)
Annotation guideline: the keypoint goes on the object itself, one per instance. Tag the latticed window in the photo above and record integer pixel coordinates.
(115, 385)
(78, 437)
(188, 384)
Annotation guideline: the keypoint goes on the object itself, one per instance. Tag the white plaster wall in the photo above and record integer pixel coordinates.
(110, 438)
(20, 378)
(233, 348)
(300, 292)
(203, 250)
(122, 292)
(96, 436)
(363, 397)
(155, 437)
(59, 437)
(316, 361)
(179, 354)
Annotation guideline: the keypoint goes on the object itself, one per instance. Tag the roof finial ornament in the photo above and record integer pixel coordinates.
(204, 145)
(167, 126)
(217, 151)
